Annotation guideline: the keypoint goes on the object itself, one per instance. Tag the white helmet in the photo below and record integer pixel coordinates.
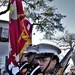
(31, 49)
(46, 49)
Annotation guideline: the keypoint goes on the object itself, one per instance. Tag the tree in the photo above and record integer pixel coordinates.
(5, 3)
(66, 41)
(43, 16)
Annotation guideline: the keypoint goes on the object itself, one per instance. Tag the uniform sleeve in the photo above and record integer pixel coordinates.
(20, 73)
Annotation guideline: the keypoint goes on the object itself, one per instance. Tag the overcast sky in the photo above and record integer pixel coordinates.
(66, 7)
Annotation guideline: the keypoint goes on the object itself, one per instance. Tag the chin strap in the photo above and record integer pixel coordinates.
(32, 60)
(48, 64)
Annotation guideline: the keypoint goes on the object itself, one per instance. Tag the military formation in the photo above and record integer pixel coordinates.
(41, 59)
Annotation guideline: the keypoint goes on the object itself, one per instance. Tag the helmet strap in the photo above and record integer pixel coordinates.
(32, 60)
(48, 64)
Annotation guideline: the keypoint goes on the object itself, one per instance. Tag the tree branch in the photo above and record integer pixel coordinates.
(8, 7)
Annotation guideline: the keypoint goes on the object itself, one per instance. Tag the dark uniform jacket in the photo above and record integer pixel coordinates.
(22, 66)
(31, 69)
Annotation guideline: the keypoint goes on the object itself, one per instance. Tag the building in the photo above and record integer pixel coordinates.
(4, 42)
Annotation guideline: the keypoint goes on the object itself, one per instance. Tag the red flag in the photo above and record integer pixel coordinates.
(20, 30)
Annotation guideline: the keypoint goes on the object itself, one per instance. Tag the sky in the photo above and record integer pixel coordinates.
(66, 7)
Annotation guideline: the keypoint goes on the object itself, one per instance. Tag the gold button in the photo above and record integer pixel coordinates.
(28, 72)
(32, 65)
(30, 69)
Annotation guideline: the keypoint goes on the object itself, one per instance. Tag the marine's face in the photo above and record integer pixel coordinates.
(30, 58)
(24, 58)
(44, 62)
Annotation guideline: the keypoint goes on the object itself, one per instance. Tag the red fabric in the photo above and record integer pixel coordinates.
(18, 31)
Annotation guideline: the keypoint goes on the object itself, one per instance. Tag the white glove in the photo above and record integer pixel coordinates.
(11, 65)
(15, 70)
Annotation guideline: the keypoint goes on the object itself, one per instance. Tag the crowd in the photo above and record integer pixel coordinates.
(41, 59)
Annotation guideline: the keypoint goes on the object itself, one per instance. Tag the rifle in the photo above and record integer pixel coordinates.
(63, 63)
